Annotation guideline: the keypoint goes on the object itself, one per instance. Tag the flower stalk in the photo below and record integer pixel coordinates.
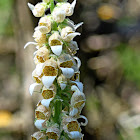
(56, 76)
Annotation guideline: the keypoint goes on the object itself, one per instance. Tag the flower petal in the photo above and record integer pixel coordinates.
(73, 4)
(78, 25)
(35, 88)
(67, 72)
(71, 36)
(73, 112)
(42, 29)
(48, 80)
(78, 61)
(75, 135)
(56, 49)
(31, 6)
(46, 102)
(79, 85)
(86, 120)
(39, 68)
(29, 43)
(38, 124)
(63, 86)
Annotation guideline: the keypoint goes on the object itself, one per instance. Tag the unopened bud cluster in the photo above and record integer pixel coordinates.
(56, 76)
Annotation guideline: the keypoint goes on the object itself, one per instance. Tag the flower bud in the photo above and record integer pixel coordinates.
(58, 15)
(39, 10)
(68, 8)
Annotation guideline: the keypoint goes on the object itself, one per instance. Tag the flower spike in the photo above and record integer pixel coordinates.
(56, 75)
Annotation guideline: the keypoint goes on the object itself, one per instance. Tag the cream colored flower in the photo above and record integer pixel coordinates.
(67, 7)
(58, 15)
(53, 132)
(68, 34)
(38, 10)
(65, 62)
(42, 54)
(56, 43)
(48, 95)
(44, 25)
(70, 124)
(38, 136)
(42, 112)
(78, 98)
(40, 38)
(50, 72)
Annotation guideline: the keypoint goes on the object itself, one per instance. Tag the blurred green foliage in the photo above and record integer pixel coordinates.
(5, 17)
(130, 60)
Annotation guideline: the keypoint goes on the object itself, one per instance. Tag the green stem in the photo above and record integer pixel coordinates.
(52, 5)
(57, 111)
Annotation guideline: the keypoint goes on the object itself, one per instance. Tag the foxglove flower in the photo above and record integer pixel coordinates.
(57, 73)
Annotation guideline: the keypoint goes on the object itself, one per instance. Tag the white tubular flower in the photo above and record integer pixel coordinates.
(50, 72)
(62, 81)
(65, 62)
(53, 132)
(44, 24)
(42, 112)
(48, 93)
(58, 15)
(70, 124)
(38, 10)
(78, 98)
(55, 43)
(68, 34)
(38, 136)
(35, 88)
(40, 38)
